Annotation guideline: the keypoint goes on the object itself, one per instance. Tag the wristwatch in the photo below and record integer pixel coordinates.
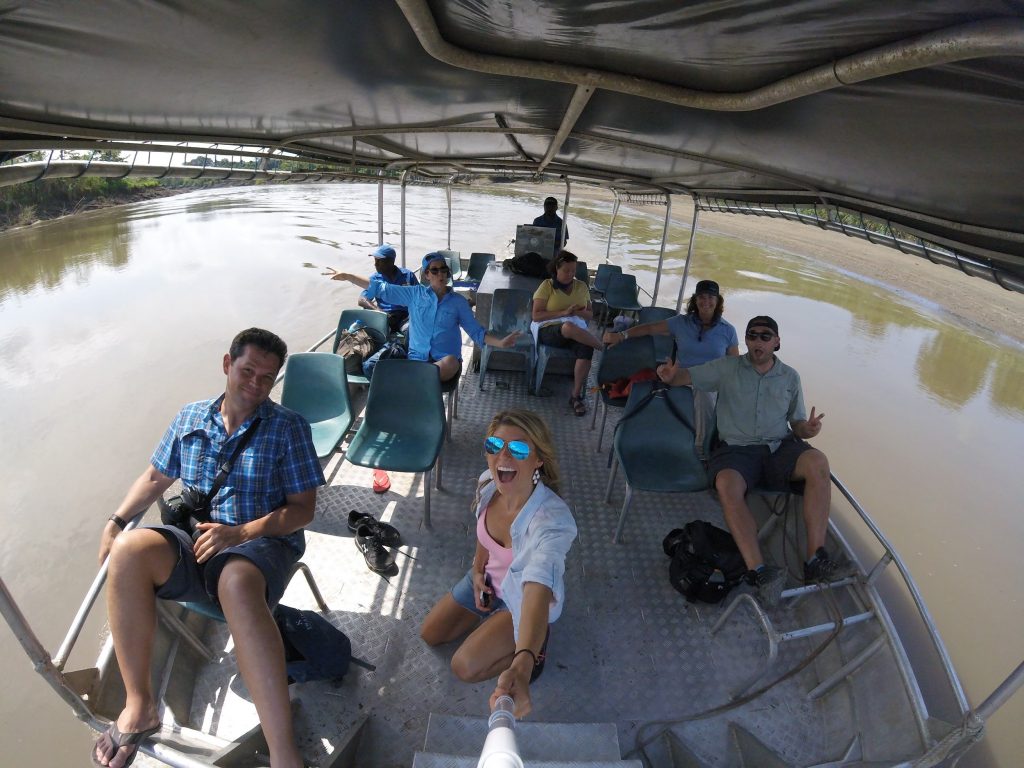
(624, 334)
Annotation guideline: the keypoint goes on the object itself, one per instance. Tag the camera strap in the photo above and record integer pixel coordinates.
(225, 468)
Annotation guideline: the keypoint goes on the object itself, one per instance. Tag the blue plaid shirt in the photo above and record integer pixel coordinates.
(279, 459)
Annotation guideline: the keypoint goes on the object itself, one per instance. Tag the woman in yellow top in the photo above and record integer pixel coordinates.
(561, 309)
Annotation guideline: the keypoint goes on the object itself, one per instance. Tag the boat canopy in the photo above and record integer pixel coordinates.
(911, 115)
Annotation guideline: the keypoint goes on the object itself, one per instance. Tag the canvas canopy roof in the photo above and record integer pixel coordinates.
(911, 112)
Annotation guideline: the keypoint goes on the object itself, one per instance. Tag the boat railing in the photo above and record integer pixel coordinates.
(891, 556)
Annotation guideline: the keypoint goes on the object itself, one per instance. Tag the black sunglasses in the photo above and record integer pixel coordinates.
(438, 270)
(763, 336)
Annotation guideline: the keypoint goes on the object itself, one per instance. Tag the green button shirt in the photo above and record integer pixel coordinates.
(753, 408)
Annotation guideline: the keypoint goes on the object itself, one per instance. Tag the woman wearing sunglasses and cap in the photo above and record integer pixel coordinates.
(514, 588)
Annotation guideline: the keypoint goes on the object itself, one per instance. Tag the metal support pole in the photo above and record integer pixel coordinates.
(661, 253)
(611, 226)
(1000, 695)
(41, 659)
(405, 176)
(380, 213)
(689, 256)
(565, 217)
(448, 197)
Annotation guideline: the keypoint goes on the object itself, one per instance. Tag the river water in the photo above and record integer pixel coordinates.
(110, 320)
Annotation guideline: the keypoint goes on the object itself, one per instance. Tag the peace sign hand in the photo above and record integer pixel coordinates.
(813, 424)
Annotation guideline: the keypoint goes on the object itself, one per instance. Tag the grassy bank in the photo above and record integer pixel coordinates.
(24, 204)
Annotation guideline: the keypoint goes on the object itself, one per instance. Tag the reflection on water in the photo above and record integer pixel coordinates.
(110, 320)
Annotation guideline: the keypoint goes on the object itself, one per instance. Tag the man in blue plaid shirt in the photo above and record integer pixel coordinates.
(240, 560)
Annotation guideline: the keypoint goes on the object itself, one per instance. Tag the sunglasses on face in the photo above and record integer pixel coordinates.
(438, 270)
(519, 450)
(763, 336)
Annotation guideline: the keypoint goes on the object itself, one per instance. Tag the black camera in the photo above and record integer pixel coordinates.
(485, 596)
(185, 510)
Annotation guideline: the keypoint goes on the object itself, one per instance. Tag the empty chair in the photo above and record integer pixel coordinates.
(544, 353)
(662, 342)
(316, 388)
(601, 277)
(621, 294)
(620, 362)
(478, 265)
(654, 445)
(403, 422)
(376, 325)
(510, 311)
(582, 273)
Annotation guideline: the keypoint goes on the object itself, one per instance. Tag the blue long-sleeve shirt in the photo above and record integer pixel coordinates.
(433, 324)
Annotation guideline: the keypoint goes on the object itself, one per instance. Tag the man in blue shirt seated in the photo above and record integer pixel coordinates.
(764, 425)
(436, 313)
(554, 221)
(384, 262)
(239, 560)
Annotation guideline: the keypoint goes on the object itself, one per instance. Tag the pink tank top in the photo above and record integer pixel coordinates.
(499, 558)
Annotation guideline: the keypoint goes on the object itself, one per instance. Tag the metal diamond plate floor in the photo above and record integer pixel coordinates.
(627, 650)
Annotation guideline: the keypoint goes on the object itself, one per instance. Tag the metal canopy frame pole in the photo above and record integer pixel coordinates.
(611, 226)
(448, 197)
(405, 178)
(661, 253)
(565, 217)
(380, 212)
(689, 256)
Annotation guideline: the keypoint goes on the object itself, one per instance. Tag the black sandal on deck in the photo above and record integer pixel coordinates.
(578, 406)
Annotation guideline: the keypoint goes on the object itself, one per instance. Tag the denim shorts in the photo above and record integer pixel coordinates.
(194, 582)
(760, 467)
(463, 594)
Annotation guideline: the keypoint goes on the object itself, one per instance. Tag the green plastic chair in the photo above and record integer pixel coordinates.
(582, 272)
(621, 295)
(662, 343)
(620, 362)
(316, 388)
(603, 275)
(403, 423)
(478, 265)
(454, 259)
(376, 323)
(654, 448)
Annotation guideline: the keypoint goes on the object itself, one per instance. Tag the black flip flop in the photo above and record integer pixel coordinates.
(118, 740)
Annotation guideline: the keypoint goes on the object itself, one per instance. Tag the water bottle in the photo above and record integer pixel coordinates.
(621, 323)
(356, 326)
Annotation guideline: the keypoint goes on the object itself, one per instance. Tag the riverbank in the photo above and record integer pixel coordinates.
(972, 301)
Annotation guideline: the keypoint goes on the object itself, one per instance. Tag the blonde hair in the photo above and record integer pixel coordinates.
(537, 431)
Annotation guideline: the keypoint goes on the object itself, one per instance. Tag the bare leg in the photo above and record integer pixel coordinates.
(140, 561)
(580, 372)
(447, 621)
(732, 489)
(812, 468)
(260, 653)
(449, 365)
(574, 332)
(487, 652)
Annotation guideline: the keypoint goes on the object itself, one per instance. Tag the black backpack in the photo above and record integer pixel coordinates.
(314, 649)
(530, 264)
(706, 563)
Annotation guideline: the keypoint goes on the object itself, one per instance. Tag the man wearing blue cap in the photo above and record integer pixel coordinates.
(436, 313)
(764, 425)
(388, 272)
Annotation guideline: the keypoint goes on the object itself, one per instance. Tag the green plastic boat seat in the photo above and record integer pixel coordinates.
(510, 311)
(316, 388)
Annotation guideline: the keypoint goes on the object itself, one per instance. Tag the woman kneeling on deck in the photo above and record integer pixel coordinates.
(515, 586)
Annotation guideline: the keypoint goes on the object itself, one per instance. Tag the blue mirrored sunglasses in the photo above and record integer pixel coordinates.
(517, 448)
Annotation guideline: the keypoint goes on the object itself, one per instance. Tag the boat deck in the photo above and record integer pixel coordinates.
(627, 650)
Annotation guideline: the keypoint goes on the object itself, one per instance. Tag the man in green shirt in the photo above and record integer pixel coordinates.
(763, 425)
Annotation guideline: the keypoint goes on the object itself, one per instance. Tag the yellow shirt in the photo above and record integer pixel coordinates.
(556, 301)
